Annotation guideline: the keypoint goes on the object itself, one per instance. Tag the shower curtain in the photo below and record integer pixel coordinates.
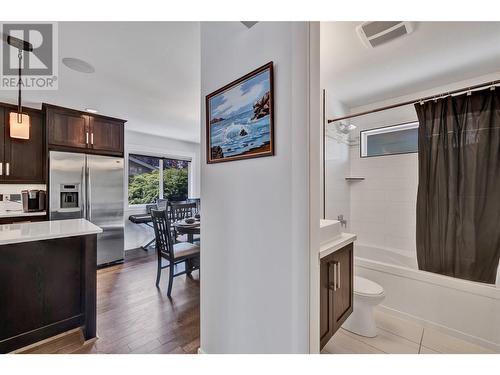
(458, 200)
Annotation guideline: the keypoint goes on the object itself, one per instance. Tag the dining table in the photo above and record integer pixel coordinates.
(189, 229)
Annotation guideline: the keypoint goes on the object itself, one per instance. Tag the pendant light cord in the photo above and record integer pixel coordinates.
(19, 107)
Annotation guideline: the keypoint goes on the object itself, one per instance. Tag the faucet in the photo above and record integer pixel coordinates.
(343, 222)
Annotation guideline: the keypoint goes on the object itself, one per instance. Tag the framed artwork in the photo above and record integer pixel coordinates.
(240, 123)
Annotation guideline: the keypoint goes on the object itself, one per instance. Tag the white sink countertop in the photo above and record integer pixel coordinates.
(44, 230)
(336, 244)
(329, 230)
(15, 209)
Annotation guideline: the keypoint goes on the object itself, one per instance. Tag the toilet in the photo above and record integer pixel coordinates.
(367, 295)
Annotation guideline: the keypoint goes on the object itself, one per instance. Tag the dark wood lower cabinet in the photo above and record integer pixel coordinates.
(48, 287)
(336, 291)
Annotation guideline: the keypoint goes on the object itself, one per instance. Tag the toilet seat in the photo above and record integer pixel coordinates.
(365, 287)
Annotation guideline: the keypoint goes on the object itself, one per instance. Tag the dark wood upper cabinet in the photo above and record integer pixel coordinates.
(22, 160)
(2, 135)
(72, 130)
(336, 291)
(67, 128)
(106, 135)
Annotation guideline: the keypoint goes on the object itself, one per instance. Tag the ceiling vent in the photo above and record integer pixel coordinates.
(375, 33)
(249, 24)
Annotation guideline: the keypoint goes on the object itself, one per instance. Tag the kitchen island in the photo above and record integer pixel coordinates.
(47, 280)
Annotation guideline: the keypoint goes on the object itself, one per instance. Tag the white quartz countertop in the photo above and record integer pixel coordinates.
(15, 209)
(336, 243)
(44, 230)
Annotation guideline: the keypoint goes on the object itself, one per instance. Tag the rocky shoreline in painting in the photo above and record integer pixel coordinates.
(216, 120)
(262, 107)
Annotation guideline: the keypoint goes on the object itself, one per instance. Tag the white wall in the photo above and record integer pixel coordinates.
(383, 206)
(146, 144)
(255, 247)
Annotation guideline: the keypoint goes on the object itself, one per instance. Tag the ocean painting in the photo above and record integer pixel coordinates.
(240, 118)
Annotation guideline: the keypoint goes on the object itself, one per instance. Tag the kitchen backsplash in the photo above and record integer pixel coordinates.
(7, 189)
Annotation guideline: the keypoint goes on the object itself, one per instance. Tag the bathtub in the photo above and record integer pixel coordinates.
(464, 309)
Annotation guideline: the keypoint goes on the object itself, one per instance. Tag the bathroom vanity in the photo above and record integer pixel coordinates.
(336, 278)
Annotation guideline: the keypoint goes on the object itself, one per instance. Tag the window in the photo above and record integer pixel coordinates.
(175, 179)
(150, 178)
(390, 140)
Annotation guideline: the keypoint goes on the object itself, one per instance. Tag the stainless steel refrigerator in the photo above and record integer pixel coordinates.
(90, 187)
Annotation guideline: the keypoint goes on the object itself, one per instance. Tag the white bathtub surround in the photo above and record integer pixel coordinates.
(400, 336)
(383, 212)
(464, 309)
(44, 230)
(338, 243)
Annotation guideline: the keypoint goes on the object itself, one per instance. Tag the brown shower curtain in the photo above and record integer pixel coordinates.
(458, 201)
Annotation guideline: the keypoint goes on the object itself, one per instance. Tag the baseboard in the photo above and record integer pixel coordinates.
(200, 351)
(438, 327)
(45, 341)
(42, 333)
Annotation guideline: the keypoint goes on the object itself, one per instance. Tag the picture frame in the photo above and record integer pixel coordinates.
(240, 118)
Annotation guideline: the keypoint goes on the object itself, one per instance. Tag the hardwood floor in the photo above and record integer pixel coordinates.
(133, 316)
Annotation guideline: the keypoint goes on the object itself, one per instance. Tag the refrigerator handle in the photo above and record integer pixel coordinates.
(83, 200)
(89, 198)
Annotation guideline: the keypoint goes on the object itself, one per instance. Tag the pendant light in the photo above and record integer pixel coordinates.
(19, 122)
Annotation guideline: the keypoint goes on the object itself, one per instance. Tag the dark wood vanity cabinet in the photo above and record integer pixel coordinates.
(22, 160)
(336, 291)
(72, 130)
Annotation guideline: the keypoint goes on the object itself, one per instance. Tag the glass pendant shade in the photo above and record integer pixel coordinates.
(19, 125)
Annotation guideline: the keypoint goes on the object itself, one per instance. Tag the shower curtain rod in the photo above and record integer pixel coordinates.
(402, 104)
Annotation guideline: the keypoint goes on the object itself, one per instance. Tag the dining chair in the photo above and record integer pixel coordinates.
(174, 253)
(161, 204)
(182, 210)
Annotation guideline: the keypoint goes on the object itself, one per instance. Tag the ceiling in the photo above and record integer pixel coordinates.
(435, 54)
(147, 73)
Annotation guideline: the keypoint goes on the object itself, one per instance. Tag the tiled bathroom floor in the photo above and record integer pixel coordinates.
(399, 336)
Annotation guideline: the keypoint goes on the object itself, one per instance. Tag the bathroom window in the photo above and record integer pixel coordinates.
(389, 140)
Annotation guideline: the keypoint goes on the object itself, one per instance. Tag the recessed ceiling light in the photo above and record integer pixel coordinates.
(91, 110)
(78, 65)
